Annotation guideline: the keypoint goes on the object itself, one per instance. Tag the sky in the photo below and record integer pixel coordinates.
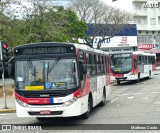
(122, 4)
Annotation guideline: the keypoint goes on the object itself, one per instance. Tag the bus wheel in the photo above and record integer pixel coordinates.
(118, 82)
(138, 77)
(149, 75)
(87, 114)
(104, 98)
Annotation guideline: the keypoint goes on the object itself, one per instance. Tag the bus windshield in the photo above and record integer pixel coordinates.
(121, 64)
(46, 74)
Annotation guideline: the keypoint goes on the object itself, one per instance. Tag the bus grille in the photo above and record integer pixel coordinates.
(121, 78)
(51, 113)
(50, 95)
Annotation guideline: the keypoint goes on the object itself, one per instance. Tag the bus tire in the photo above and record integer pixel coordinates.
(138, 77)
(118, 82)
(103, 102)
(87, 114)
(149, 74)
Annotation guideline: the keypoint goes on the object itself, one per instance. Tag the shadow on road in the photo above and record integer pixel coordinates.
(130, 82)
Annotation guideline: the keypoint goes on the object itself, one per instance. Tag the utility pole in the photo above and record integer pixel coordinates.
(3, 82)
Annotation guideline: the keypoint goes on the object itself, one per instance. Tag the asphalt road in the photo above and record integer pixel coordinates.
(129, 103)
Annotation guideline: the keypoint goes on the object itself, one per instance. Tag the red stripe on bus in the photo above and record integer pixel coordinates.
(33, 100)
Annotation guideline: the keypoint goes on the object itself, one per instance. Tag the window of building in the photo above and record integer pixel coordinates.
(140, 39)
(144, 39)
(140, 20)
(148, 39)
(137, 6)
(153, 21)
(158, 18)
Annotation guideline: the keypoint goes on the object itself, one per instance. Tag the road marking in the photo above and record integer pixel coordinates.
(154, 92)
(8, 114)
(114, 100)
(157, 103)
(130, 94)
(130, 97)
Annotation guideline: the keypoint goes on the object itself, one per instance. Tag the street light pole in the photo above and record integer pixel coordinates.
(3, 82)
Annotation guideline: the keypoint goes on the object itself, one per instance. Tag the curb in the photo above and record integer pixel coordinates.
(7, 111)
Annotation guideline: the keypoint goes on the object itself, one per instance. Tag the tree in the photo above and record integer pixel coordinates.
(41, 21)
(98, 14)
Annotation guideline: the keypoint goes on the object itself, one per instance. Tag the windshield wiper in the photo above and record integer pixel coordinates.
(53, 64)
(32, 69)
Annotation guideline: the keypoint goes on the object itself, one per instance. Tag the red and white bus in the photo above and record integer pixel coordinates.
(59, 79)
(132, 65)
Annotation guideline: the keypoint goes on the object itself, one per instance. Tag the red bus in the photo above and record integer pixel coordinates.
(59, 79)
(132, 65)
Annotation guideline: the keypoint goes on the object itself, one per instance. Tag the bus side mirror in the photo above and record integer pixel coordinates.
(11, 68)
(83, 67)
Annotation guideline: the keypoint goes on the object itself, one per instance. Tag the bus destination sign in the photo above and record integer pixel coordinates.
(43, 50)
(122, 55)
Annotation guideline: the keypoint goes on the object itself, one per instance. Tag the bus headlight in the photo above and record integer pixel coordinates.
(68, 103)
(21, 103)
(130, 73)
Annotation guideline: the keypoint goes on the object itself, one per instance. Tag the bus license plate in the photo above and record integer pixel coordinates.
(45, 112)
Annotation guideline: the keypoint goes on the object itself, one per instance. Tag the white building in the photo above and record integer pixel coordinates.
(147, 18)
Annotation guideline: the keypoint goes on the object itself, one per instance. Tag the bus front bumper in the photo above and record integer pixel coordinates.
(50, 110)
(125, 77)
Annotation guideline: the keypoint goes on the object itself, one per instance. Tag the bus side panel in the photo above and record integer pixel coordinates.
(108, 89)
(101, 83)
(93, 86)
(153, 67)
(85, 93)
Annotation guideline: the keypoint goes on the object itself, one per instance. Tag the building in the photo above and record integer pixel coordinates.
(123, 40)
(147, 18)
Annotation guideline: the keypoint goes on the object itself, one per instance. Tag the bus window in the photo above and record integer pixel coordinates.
(87, 58)
(81, 55)
(88, 63)
(135, 63)
(107, 62)
(94, 62)
(139, 60)
(102, 65)
(98, 65)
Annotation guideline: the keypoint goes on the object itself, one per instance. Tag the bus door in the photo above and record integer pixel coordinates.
(81, 68)
(141, 64)
(92, 75)
(135, 64)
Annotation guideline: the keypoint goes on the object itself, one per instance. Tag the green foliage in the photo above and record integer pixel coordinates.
(43, 25)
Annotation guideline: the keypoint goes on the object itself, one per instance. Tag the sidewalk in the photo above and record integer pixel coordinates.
(10, 100)
(10, 103)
